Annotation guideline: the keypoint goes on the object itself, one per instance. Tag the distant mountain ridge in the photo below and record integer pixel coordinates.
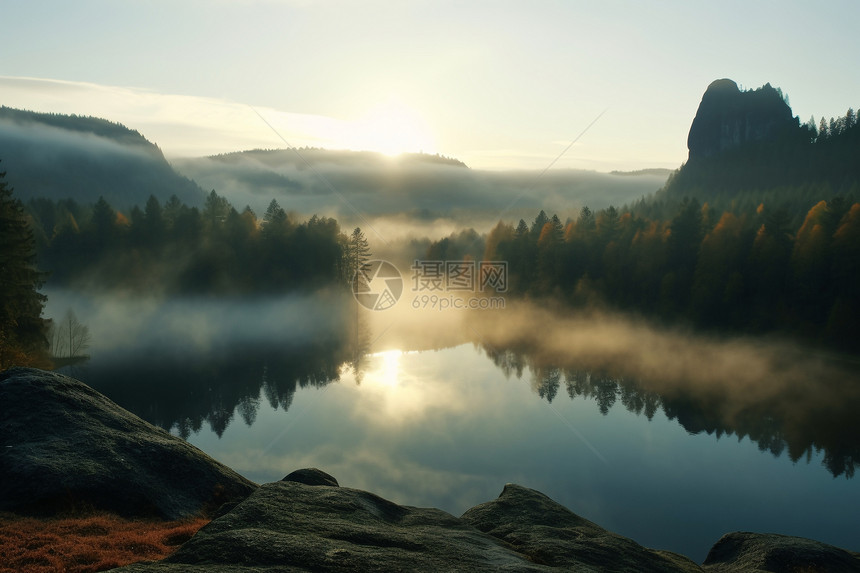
(58, 156)
(309, 156)
(340, 184)
(656, 171)
(79, 123)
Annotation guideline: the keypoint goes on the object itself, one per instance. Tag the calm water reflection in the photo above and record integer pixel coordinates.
(670, 464)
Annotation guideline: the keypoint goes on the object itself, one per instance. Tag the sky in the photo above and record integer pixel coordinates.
(498, 85)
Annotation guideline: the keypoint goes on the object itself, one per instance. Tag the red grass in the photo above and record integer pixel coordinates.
(87, 544)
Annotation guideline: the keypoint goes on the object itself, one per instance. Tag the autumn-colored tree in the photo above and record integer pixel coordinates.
(502, 232)
(810, 262)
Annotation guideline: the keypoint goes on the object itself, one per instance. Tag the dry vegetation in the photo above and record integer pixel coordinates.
(86, 544)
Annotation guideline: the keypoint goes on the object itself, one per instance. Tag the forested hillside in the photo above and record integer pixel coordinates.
(58, 157)
(737, 270)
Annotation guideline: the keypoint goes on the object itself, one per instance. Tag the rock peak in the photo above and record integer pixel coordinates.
(722, 85)
(728, 118)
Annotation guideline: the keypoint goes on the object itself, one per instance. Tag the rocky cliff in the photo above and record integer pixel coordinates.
(728, 118)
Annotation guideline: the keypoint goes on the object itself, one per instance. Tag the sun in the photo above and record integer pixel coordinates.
(392, 128)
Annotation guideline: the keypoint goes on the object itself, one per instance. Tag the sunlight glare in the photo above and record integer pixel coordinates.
(391, 128)
(389, 369)
(398, 395)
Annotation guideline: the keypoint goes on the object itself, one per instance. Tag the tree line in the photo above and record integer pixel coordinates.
(175, 249)
(740, 271)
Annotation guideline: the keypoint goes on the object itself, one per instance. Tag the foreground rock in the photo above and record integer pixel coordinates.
(65, 447)
(770, 552)
(291, 526)
(550, 534)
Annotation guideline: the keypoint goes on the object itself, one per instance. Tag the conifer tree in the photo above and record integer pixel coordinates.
(356, 254)
(22, 330)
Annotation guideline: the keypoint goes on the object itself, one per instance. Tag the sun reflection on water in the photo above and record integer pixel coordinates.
(398, 387)
(387, 371)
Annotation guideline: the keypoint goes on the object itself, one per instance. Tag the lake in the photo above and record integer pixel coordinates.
(687, 439)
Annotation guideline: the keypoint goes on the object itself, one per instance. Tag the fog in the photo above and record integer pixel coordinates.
(44, 144)
(44, 161)
(661, 358)
(183, 361)
(785, 397)
(409, 196)
(134, 328)
(730, 374)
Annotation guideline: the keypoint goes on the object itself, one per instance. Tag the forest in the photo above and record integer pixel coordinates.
(174, 249)
(744, 271)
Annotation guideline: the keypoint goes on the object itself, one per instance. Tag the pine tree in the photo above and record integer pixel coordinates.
(823, 130)
(22, 329)
(812, 128)
(522, 229)
(557, 229)
(538, 223)
(356, 254)
(216, 209)
(585, 223)
(274, 215)
(103, 220)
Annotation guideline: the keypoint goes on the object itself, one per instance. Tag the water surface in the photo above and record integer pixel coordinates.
(672, 465)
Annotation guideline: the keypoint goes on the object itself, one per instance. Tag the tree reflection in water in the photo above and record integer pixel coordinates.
(819, 415)
(802, 414)
(181, 393)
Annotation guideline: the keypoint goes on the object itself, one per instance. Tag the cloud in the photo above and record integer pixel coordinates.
(182, 125)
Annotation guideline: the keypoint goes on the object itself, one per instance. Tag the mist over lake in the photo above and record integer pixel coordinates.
(574, 403)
